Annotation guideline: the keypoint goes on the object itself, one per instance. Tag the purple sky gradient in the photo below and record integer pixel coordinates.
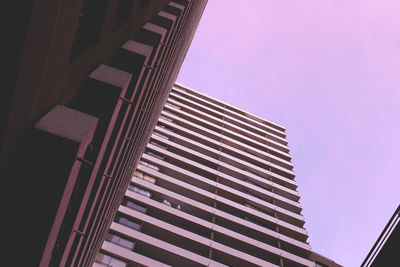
(328, 70)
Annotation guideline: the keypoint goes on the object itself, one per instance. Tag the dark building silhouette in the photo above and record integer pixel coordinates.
(385, 251)
(85, 82)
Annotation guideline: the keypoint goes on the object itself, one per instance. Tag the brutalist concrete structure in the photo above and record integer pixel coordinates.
(85, 82)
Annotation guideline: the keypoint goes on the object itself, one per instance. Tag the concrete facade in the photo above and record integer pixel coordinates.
(214, 187)
(85, 85)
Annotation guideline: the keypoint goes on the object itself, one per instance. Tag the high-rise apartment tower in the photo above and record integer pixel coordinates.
(214, 187)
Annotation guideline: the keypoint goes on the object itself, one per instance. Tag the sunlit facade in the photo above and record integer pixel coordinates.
(214, 187)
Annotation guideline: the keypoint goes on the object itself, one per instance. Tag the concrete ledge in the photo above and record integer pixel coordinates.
(138, 48)
(167, 15)
(155, 28)
(111, 76)
(68, 123)
(173, 4)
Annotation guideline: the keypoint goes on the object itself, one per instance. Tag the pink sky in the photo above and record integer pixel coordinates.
(328, 70)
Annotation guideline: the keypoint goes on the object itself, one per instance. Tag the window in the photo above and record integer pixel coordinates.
(124, 11)
(138, 174)
(108, 261)
(150, 165)
(249, 219)
(162, 125)
(145, 177)
(150, 179)
(155, 154)
(161, 135)
(134, 206)
(139, 190)
(158, 144)
(90, 24)
(121, 241)
(154, 167)
(135, 225)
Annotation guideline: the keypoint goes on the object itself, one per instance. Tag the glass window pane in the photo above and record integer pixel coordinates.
(112, 238)
(149, 179)
(103, 258)
(117, 263)
(128, 223)
(135, 206)
(138, 174)
(126, 243)
(121, 241)
(139, 190)
(161, 135)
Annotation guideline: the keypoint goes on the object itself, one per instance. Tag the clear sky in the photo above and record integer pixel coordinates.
(329, 71)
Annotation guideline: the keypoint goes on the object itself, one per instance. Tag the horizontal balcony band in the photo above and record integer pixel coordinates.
(213, 244)
(225, 160)
(244, 161)
(263, 157)
(195, 202)
(130, 256)
(299, 232)
(186, 255)
(176, 155)
(227, 119)
(287, 216)
(272, 127)
(204, 119)
(251, 181)
(204, 223)
(288, 183)
(268, 149)
(176, 5)
(294, 205)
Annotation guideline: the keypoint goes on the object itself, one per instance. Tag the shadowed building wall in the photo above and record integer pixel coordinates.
(85, 83)
(385, 251)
